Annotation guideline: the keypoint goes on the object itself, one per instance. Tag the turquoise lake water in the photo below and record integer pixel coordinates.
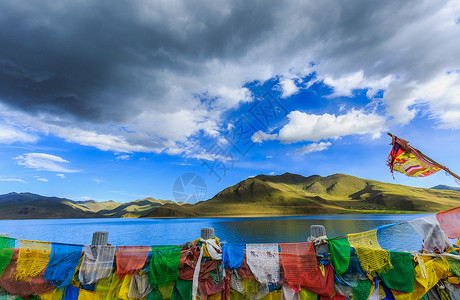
(242, 230)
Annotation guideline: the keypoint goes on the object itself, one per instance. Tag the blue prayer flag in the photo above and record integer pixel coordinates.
(232, 255)
(71, 293)
(62, 264)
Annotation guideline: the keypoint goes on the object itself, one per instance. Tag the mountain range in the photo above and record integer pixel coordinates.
(262, 195)
(33, 206)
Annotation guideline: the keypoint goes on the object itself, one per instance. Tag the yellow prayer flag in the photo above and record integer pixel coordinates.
(370, 255)
(55, 294)
(32, 259)
(88, 295)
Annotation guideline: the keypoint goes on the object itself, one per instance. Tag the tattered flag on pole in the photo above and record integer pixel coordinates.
(411, 162)
(408, 161)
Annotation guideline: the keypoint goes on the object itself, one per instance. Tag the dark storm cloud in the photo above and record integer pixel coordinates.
(87, 59)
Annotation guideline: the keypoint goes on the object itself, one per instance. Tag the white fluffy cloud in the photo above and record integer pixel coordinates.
(344, 86)
(261, 136)
(313, 147)
(311, 127)
(288, 87)
(11, 134)
(44, 162)
(442, 95)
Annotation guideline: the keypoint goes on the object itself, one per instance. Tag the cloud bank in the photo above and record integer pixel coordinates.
(151, 76)
(310, 127)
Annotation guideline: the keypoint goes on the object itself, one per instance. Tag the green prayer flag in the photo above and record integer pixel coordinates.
(362, 290)
(183, 290)
(402, 276)
(164, 265)
(340, 254)
(454, 265)
(6, 252)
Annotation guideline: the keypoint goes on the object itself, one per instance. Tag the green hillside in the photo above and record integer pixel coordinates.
(94, 206)
(173, 210)
(134, 208)
(263, 195)
(292, 194)
(33, 206)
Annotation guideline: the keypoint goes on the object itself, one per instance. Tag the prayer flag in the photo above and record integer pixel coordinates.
(62, 264)
(340, 254)
(434, 238)
(264, 260)
(401, 278)
(299, 264)
(97, 263)
(131, 259)
(164, 265)
(449, 221)
(52, 295)
(71, 293)
(6, 252)
(409, 161)
(32, 259)
(140, 286)
(371, 256)
(233, 255)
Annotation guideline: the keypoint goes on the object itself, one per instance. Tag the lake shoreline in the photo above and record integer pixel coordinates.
(377, 212)
(280, 215)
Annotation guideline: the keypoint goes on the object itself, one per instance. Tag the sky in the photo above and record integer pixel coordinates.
(122, 100)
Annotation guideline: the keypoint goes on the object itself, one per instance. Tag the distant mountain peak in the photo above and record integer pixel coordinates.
(446, 187)
(285, 178)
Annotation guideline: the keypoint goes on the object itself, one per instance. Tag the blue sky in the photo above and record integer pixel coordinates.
(116, 102)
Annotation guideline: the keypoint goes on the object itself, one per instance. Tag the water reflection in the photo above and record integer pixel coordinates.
(243, 230)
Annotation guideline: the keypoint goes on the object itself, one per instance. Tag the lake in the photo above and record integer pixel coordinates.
(234, 230)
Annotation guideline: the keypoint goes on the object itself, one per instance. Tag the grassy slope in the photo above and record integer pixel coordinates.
(135, 208)
(94, 206)
(32, 206)
(291, 194)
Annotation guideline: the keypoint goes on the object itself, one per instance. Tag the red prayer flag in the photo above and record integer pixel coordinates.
(327, 283)
(131, 259)
(450, 222)
(299, 264)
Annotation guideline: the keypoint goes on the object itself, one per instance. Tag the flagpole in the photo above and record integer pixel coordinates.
(430, 160)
